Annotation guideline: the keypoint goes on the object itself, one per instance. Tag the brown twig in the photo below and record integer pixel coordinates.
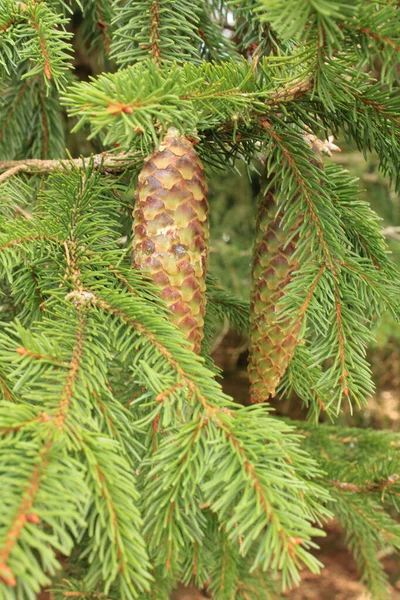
(292, 92)
(368, 487)
(103, 28)
(24, 515)
(107, 163)
(18, 168)
(24, 213)
(155, 32)
(114, 163)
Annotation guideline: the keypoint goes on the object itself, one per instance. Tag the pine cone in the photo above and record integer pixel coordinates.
(272, 341)
(170, 232)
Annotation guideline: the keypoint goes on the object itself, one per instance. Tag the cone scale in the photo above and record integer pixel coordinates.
(272, 340)
(170, 231)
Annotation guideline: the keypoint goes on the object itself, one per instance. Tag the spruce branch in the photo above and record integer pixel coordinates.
(24, 515)
(288, 93)
(97, 24)
(305, 190)
(368, 528)
(32, 32)
(153, 476)
(190, 435)
(30, 118)
(224, 304)
(150, 99)
(145, 32)
(106, 163)
(66, 412)
(374, 487)
(326, 257)
(10, 172)
(375, 33)
(366, 115)
(362, 30)
(361, 467)
(5, 390)
(30, 502)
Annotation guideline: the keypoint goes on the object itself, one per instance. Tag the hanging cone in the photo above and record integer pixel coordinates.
(170, 232)
(272, 340)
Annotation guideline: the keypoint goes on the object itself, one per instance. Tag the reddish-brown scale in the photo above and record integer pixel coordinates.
(170, 231)
(272, 340)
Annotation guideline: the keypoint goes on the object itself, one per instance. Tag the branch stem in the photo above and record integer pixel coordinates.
(107, 163)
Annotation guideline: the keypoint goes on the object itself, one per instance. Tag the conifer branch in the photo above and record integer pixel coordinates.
(381, 39)
(43, 46)
(45, 124)
(42, 357)
(242, 93)
(222, 417)
(369, 486)
(24, 514)
(102, 482)
(14, 105)
(106, 163)
(41, 39)
(86, 297)
(145, 32)
(92, 364)
(73, 372)
(154, 31)
(103, 27)
(15, 243)
(13, 171)
(7, 394)
(289, 93)
(305, 190)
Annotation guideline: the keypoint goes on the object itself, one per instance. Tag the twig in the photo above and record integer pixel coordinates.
(12, 171)
(111, 163)
(107, 163)
(368, 487)
(287, 94)
(24, 213)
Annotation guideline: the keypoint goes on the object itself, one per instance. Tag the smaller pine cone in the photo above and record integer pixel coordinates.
(272, 341)
(170, 232)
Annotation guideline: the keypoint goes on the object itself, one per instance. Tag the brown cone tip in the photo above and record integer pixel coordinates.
(170, 231)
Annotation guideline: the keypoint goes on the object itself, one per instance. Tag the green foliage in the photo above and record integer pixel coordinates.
(158, 29)
(30, 122)
(339, 290)
(223, 305)
(362, 466)
(118, 447)
(136, 105)
(369, 29)
(32, 33)
(320, 18)
(214, 44)
(95, 308)
(97, 24)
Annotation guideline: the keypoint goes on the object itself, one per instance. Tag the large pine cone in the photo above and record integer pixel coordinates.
(170, 232)
(272, 340)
